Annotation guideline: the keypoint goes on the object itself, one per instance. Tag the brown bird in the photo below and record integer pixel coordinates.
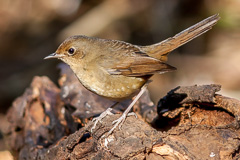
(118, 70)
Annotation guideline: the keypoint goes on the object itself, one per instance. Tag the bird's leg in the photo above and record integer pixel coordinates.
(120, 120)
(102, 115)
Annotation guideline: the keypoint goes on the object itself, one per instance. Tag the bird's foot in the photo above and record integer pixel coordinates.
(99, 118)
(118, 122)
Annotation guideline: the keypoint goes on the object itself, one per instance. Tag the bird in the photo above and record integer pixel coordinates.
(118, 70)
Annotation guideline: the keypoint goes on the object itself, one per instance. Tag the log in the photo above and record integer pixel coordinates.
(51, 122)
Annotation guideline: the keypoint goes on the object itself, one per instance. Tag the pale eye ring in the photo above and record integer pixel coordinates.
(71, 51)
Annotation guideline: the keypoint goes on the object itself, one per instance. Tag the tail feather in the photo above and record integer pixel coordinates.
(160, 50)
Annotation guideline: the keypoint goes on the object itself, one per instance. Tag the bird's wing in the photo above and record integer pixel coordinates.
(128, 60)
(140, 66)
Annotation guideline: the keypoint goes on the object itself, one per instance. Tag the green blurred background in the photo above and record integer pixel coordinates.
(32, 29)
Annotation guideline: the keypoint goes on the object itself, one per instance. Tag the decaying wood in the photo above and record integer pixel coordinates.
(202, 131)
(188, 123)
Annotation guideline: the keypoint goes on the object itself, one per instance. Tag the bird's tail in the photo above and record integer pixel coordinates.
(161, 49)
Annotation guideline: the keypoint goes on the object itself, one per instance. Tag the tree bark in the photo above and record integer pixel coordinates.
(192, 122)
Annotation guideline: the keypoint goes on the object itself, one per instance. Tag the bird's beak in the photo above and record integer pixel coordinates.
(54, 55)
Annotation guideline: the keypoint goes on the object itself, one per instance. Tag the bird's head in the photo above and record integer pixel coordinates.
(71, 51)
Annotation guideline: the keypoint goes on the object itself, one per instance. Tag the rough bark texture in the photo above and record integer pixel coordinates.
(188, 123)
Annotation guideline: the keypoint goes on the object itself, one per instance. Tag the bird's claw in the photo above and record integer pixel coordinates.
(99, 118)
(118, 122)
(132, 114)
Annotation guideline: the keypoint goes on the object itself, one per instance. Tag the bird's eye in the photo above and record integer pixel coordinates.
(71, 51)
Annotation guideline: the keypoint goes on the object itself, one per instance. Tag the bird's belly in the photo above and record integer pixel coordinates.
(115, 87)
